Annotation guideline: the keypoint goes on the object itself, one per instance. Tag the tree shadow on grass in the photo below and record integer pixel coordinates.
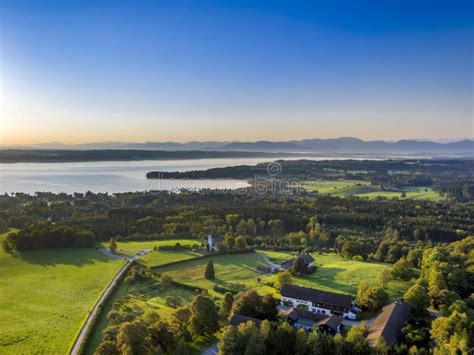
(327, 278)
(249, 268)
(63, 256)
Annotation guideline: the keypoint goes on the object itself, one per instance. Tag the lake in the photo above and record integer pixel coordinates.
(116, 176)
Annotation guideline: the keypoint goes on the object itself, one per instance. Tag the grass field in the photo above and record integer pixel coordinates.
(235, 268)
(150, 244)
(414, 193)
(344, 188)
(337, 274)
(338, 187)
(46, 296)
(162, 257)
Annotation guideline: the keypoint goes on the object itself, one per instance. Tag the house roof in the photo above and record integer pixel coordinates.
(295, 313)
(309, 318)
(317, 296)
(332, 322)
(239, 319)
(389, 323)
(308, 259)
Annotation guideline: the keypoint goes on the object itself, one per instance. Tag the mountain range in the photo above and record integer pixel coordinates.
(343, 145)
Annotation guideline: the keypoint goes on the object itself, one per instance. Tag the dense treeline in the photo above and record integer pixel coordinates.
(451, 177)
(64, 155)
(446, 284)
(351, 226)
(47, 235)
(311, 168)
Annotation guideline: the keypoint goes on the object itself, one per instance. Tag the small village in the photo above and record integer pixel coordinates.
(326, 312)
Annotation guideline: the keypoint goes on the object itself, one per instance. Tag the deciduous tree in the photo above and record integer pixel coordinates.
(112, 245)
(240, 243)
(204, 317)
(282, 278)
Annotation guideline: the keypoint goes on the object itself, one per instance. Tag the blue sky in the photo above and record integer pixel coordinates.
(220, 70)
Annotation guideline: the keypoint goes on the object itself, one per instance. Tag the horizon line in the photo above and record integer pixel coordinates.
(439, 140)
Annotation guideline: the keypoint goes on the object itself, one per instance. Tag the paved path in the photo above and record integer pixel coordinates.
(103, 298)
(112, 255)
(267, 260)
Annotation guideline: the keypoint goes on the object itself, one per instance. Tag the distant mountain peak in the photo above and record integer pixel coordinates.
(339, 145)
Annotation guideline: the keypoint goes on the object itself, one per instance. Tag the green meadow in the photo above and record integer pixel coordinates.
(337, 187)
(47, 295)
(150, 244)
(344, 188)
(414, 193)
(162, 257)
(230, 269)
(337, 274)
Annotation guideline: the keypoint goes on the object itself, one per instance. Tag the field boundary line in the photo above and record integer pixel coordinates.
(77, 345)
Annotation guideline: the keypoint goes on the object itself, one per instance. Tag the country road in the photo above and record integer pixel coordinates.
(103, 298)
(272, 265)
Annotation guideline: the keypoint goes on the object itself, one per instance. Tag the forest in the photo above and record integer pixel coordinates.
(419, 249)
(450, 177)
(279, 221)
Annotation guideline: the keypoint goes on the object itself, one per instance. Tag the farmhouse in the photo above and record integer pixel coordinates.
(308, 260)
(317, 301)
(309, 321)
(389, 323)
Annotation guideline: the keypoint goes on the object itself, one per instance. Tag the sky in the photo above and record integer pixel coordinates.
(91, 71)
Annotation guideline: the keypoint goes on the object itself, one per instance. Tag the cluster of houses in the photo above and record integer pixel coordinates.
(322, 311)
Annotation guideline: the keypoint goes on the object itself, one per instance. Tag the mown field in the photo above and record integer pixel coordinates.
(150, 244)
(344, 188)
(240, 269)
(337, 274)
(414, 193)
(162, 257)
(338, 187)
(46, 296)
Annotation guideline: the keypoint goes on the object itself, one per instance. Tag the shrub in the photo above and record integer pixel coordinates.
(223, 289)
(173, 302)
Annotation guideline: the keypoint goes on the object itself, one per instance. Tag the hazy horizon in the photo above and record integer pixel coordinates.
(80, 71)
(441, 140)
